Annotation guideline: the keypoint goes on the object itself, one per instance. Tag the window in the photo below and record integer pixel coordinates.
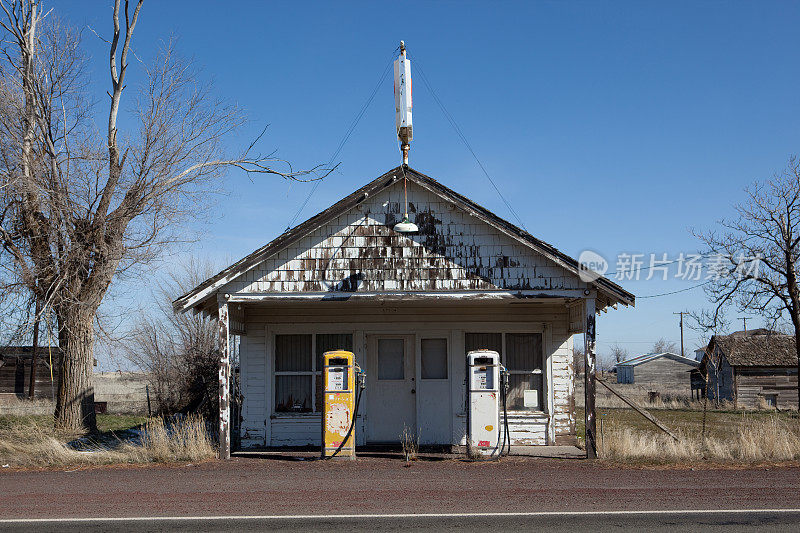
(434, 359)
(484, 341)
(522, 355)
(298, 369)
(523, 359)
(294, 374)
(771, 400)
(391, 359)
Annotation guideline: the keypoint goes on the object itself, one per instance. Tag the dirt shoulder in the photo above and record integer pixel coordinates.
(256, 485)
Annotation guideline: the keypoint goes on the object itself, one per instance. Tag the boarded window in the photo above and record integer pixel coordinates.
(391, 359)
(434, 359)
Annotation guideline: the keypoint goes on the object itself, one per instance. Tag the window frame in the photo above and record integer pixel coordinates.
(545, 406)
(315, 373)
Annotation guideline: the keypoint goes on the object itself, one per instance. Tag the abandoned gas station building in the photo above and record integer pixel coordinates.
(409, 306)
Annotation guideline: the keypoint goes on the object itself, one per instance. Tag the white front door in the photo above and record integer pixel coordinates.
(391, 393)
(433, 389)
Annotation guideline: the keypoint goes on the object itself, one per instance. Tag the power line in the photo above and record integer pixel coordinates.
(674, 292)
(344, 139)
(464, 140)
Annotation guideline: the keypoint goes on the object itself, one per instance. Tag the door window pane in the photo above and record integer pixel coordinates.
(293, 394)
(434, 359)
(391, 359)
(292, 353)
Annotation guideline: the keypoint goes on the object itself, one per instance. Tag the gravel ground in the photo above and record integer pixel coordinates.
(257, 485)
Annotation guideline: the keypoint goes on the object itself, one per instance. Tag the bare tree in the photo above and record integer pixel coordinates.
(755, 255)
(178, 352)
(578, 361)
(662, 345)
(618, 353)
(77, 207)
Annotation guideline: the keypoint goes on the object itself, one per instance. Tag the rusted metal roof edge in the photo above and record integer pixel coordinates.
(207, 289)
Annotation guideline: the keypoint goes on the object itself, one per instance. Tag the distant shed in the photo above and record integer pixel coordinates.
(664, 371)
(15, 368)
(752, 369)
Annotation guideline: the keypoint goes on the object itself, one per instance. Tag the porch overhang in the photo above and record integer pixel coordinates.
(570, 297)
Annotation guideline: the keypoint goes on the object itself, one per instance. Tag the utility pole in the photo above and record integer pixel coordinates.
(681, 324)
(744, 322)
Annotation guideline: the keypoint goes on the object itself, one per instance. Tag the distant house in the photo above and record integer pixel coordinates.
(658, 371)
(752, 368)
(15, 368)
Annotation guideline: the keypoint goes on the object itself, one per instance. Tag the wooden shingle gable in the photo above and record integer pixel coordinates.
(352, 248)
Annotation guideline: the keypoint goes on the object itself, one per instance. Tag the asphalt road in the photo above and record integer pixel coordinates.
(272, 490)
(730, 521)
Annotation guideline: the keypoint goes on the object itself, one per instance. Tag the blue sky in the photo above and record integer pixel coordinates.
(610, 126)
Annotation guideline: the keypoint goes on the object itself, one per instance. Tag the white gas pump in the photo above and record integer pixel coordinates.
(484, 392)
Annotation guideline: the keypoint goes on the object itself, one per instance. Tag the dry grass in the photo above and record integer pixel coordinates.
(755, 439)
(15, 406)
(410, 443)
(661, 402)
(27, 443)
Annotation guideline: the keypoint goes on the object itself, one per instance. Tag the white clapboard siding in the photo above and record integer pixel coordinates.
(563, 385)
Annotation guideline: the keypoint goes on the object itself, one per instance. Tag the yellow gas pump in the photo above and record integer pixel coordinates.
(339, 405)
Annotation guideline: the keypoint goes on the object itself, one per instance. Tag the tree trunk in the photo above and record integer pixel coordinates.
(75, 403)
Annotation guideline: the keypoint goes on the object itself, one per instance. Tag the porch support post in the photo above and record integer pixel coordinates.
(589, 378)
(224, 381)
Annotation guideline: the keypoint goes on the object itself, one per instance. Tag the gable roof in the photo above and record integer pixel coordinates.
(759, 347)
(609, 293)
(646, 358)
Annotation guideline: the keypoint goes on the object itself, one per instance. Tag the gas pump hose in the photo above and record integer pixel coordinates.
(507, 434)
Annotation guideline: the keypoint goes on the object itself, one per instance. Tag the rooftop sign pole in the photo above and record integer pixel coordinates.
(405, 132)
(403, 101)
